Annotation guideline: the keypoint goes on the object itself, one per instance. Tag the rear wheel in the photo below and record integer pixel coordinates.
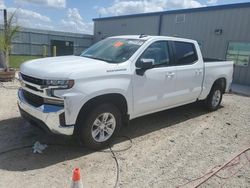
(100, 126)
(214, 98)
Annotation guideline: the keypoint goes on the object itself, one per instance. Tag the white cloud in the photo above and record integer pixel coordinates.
(75, 23)
(121, 7)
(2, 6)
(28, 15)
(49, 3)
(29, 19)
(212, 2)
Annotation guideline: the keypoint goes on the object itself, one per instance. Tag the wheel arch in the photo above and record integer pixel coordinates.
(221, 82)
(117, 99)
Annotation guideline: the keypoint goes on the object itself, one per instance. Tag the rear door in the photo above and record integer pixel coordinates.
(189, 72)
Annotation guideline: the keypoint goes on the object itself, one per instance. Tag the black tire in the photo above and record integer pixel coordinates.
(86, 121)
(209, 100)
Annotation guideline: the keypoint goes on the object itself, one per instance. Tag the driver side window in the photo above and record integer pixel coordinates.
(159, 52)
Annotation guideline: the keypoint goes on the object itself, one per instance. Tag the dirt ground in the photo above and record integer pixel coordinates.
(169, 148)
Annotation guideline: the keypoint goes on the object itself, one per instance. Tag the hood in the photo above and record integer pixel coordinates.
(61, 67)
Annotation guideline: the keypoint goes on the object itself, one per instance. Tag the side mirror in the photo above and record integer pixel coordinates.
(145, 64)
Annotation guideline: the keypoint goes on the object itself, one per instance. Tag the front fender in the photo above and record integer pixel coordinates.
(84, 91)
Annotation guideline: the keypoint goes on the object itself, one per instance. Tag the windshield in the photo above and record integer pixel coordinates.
(113, 50)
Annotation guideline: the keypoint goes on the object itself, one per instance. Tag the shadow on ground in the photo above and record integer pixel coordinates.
(17, 132)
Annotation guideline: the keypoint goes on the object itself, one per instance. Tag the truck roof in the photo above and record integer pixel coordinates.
(147, 37)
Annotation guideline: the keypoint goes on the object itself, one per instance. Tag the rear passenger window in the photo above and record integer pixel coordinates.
(185, 53)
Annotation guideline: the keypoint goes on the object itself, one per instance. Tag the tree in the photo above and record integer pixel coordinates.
(6, 37)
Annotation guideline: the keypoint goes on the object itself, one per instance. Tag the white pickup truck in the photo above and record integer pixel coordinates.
(115, 80)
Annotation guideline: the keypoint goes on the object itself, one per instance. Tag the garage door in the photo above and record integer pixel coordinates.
(62, 47)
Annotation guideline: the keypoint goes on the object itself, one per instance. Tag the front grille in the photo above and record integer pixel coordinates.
(33, 88)
(32, 99)
(33, 80)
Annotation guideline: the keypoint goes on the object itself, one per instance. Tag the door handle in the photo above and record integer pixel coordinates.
(170, 74)
(198, 71)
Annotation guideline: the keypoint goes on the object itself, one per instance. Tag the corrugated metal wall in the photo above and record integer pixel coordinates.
(199, 25)
(126, 26)
(32, 42)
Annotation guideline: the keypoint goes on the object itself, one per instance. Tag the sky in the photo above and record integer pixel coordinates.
(76, 16)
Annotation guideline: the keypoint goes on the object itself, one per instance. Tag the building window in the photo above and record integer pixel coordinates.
(238, 52)
(180, 18)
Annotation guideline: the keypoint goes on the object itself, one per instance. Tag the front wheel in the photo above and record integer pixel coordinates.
(214, 98)
(101, 125)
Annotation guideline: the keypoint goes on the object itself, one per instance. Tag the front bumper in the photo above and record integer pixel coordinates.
(47, 116)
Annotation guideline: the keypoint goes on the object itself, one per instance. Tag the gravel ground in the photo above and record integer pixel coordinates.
(169, 148)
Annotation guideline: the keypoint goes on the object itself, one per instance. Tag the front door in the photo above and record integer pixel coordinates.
(154, 89)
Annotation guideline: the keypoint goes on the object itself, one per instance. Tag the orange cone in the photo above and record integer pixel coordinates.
(76, 179)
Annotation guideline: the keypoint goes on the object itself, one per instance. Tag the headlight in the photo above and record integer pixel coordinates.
(65, 84)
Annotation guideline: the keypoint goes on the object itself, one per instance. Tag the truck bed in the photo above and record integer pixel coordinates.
(213, 71)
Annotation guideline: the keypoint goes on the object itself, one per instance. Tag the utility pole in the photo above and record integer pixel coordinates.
(5, 19)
